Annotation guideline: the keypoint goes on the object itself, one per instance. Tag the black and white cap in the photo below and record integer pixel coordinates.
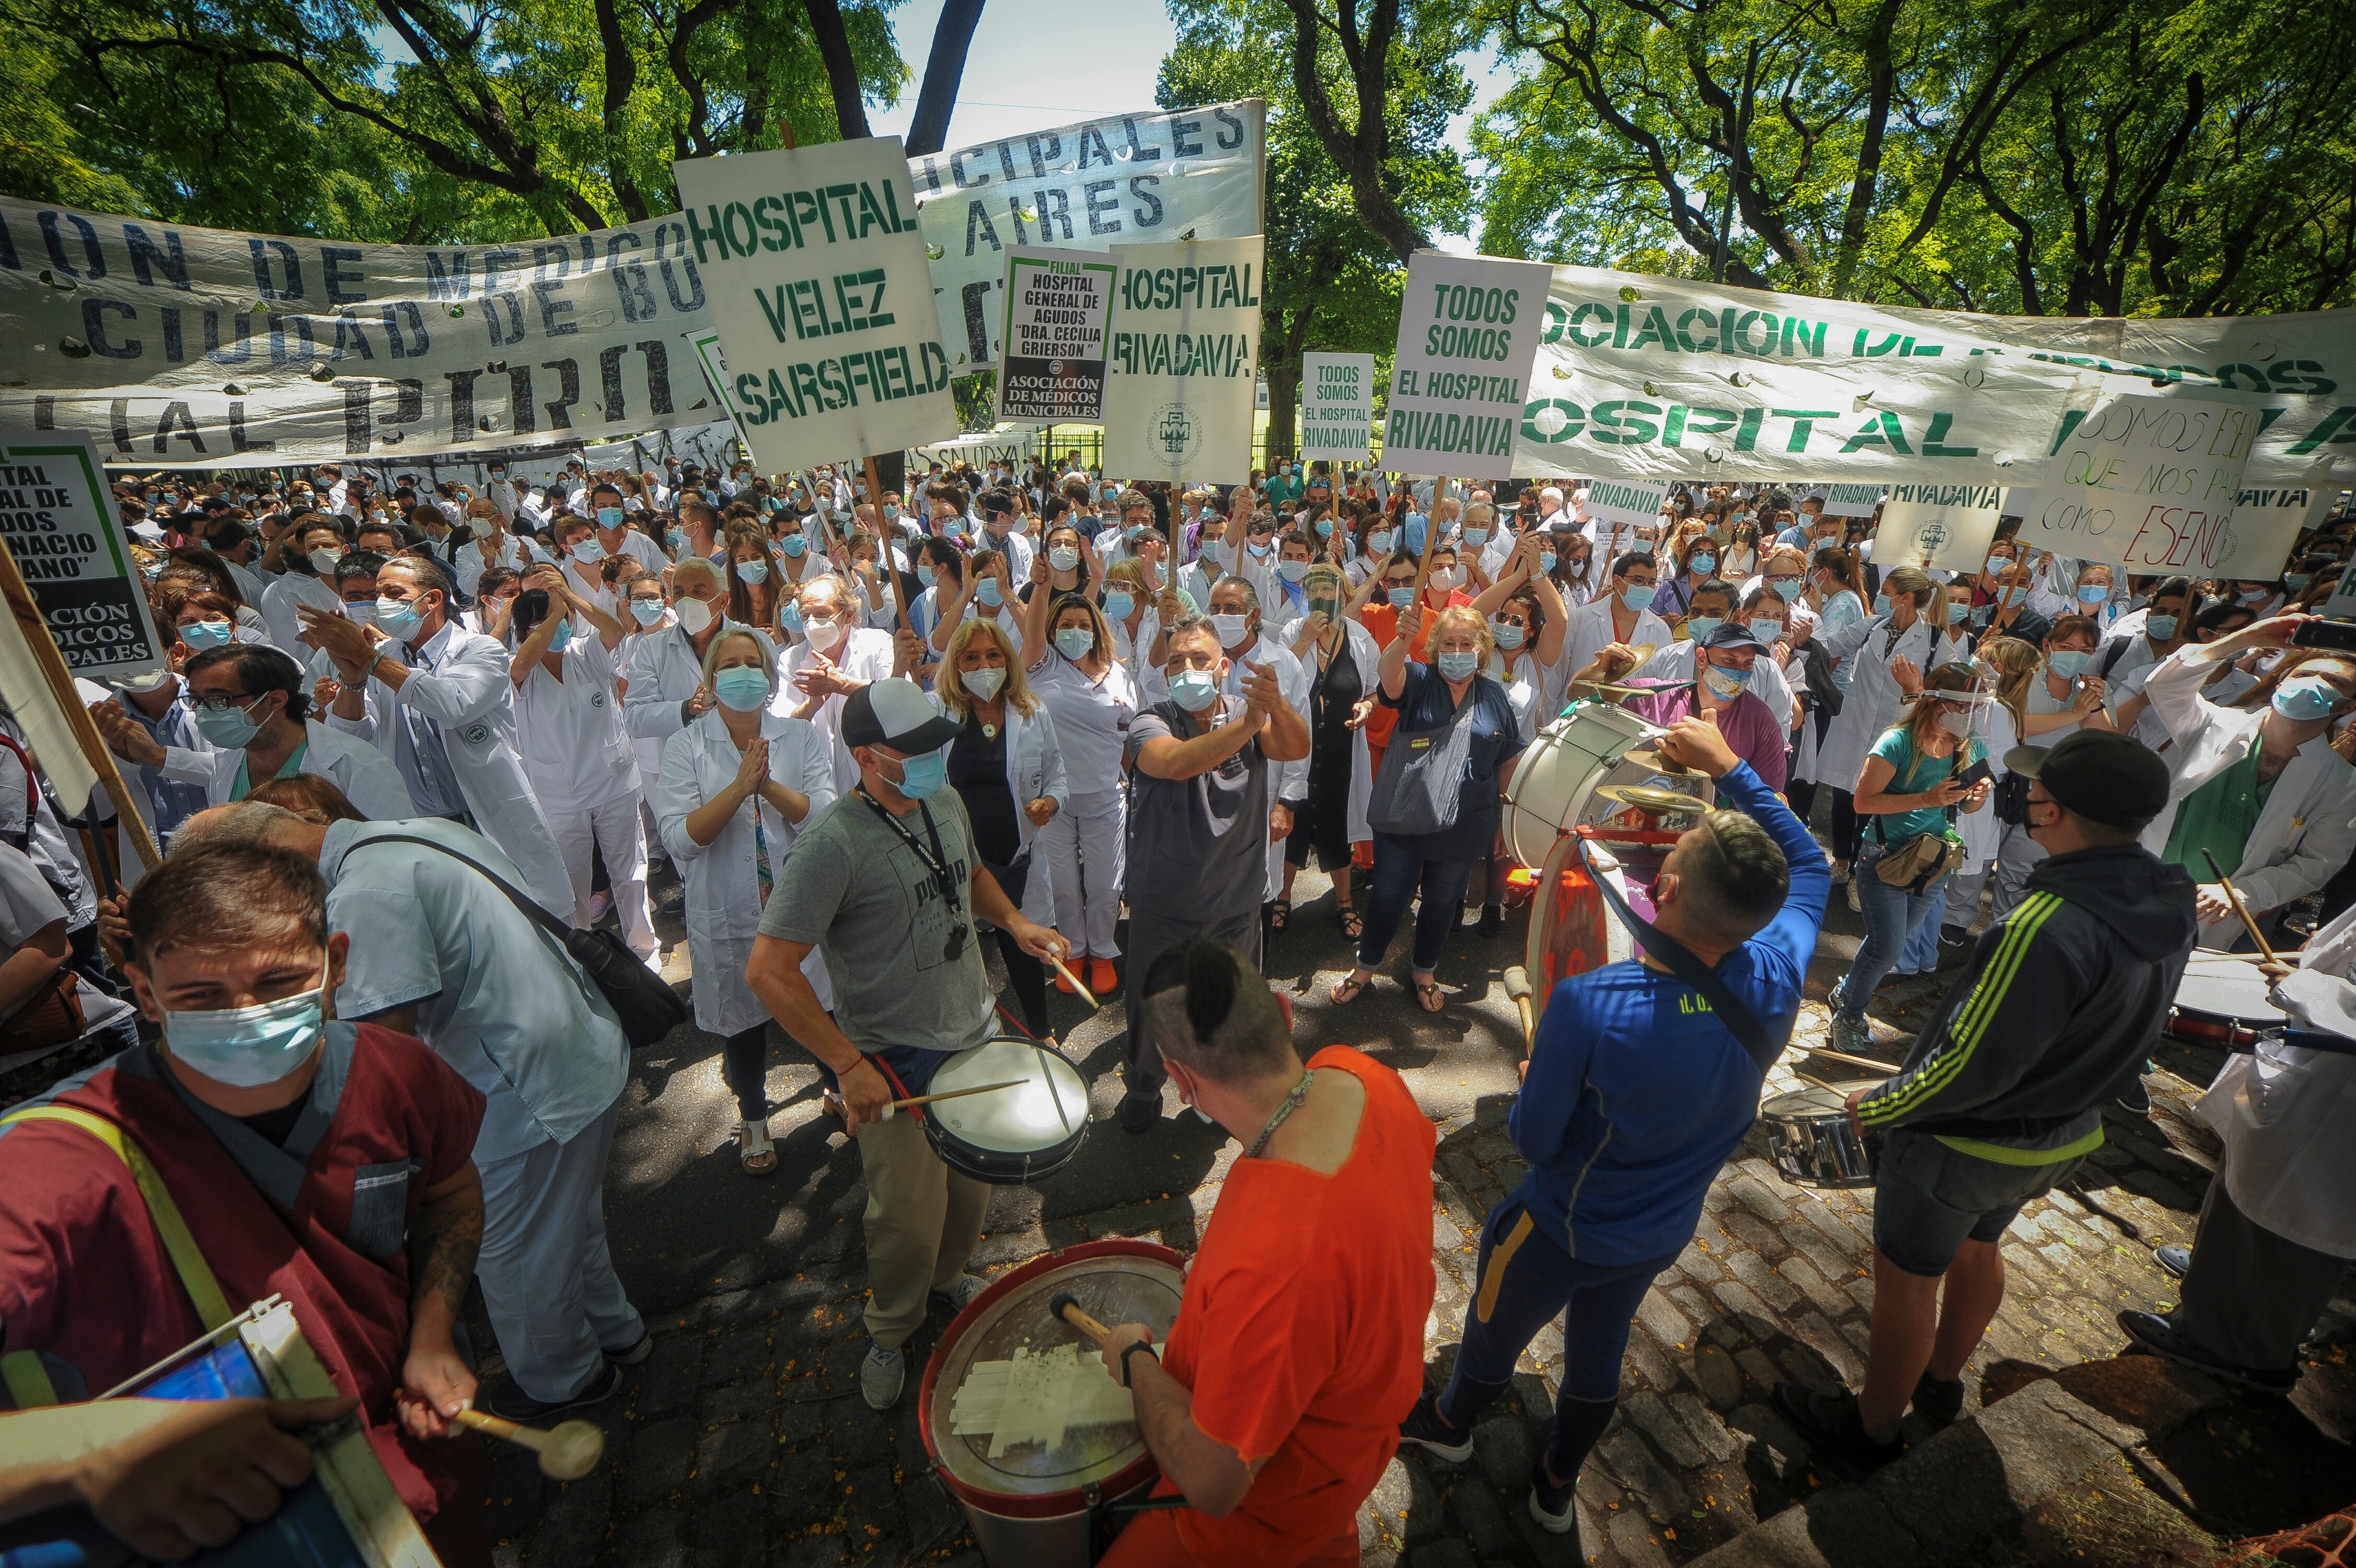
(897, 714)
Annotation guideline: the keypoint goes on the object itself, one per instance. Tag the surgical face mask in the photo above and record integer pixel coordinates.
(205, 634)
(891, 512)
(1476, 535)
(588, 551)
(988, 589)
(921, 776)
(361, 610)
(953, 528)
(1700, 627)
(2305, 697)
(984, 682)
(926, 576)
(1402, 596)
(1446, 577)
(560, 637)
(251, 1046)
(230, 728)
(397, 618)
(1956, 610)
(2295, 581)
(1259, 548)
(1724, 684)
(695, 616)
(1956, 724)
(1881, 604)
(1637, 596)
(2012, 597)
(1996, 564)
(753, 571)
(1232, 630)
(790, 617)
(1324, 528)
(1786, 589)
(1509, 634)
(324, 561)
(1075, 642)
(1766, 630)
(792, 545)
(2159, 629)
(741, 688)
(2099, 593)
(1379, 540)
(823, 632)
(1063, 558)
(678, 537)
(1547, 559)
(1293, 571)
(1457, 666)
(2068, 663)
(1194, 690)
(1641, 547)
(1703, 564)
(1118, 604)
(647, 612)
(610, 516)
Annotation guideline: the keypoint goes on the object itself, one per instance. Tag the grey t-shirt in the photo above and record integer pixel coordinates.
(1198, 846)
(873, 906)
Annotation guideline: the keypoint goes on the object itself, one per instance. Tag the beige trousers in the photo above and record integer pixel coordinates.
(923, 1222)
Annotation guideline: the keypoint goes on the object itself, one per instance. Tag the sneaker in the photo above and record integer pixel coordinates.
(2136, 1099)
(1936, 1402)
(1139, 1113)
(1955, 936)
(598, 904)
(2166, 1340)
(638, 1350)
(1492, 919)
(509, 1402)
(1832, 1425)
(2177, 1261)
(1854, 907)
(1424, 1428)
(881, 1376)
(1553, 1506)
(968, 1287)
(1850, 1034)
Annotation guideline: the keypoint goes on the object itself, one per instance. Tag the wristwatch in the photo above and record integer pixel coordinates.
(1132, 1350)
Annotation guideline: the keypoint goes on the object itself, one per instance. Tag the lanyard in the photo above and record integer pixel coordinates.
(937, 861)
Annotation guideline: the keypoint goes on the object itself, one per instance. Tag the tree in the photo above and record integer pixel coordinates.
(928, 131)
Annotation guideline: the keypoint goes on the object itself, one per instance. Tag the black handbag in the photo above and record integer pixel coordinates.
(643, 1002)
(1421, 781)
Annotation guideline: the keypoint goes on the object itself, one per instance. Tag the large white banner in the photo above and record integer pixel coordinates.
(817, 278)
(1337, 407)
(1126, 179)
(1183, 367)
(2148, 484)
(1946, 528)
(1468, 326)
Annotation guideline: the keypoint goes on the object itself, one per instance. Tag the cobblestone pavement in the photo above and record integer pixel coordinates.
(743, 1441)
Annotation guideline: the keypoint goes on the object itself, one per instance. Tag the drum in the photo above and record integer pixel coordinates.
(1009, 1137)
(1554, 783)
(2221, 1002)
(1042, 1499)
(1813, 1142)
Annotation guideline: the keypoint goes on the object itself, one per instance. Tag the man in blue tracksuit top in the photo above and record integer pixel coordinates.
(1634, 1096)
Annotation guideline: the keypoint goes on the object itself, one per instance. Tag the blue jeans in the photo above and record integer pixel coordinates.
(1922, 953)
(1891, 913)
(1399, 867)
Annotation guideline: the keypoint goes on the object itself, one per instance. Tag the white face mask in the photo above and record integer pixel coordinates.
(822, 632)
(695, 616)
(1232, 630)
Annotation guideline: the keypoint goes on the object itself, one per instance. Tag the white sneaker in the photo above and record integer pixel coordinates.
(881, 1376)
(1855, 906)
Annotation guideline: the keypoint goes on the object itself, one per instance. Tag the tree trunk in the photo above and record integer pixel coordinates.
(1283, 394)
(944, 69)
(841, 71)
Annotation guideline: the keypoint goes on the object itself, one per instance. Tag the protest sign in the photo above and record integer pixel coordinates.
(1337, 407)
(60, 522)
(1468, 326)
(1945, 528)
(2148, 484)
(817, 279)
(1123, 179)
(1182, 370)
(999, 444)
(1846, 501)
(1625, 503)
(2267, 523)
(1052, 363)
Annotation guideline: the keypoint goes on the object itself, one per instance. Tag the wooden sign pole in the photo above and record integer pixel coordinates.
(46, 653)
(885, 537)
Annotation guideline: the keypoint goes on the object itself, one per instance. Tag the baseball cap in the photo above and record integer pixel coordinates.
(2103, 776)
(895, 712)
(1737, 638)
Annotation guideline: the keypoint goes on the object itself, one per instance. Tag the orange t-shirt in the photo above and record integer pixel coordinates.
(1301, 1328)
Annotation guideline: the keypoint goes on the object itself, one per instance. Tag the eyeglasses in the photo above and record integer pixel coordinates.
(224, 703)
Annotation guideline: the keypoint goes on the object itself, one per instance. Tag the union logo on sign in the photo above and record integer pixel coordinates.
(1178, 432)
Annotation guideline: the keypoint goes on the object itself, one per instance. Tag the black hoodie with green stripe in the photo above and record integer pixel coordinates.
(2061, 1006)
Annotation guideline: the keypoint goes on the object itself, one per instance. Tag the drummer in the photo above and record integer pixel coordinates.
(1634, 1094)
(887, 874)
(2002, 1095)
(1719, 687)
(372, 1233)
(1299, 1342)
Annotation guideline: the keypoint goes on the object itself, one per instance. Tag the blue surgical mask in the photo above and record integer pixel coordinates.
(2294, 581)
(792, 545)
(2159, 629)
(397, 618)
(678, 537)
(1194, 690)
(1638, 595)
(2096, 593)
(2068, 663)
(2305, 697)
(954, 528)
(1704, 565)
(925, 576)
(588, 551)
(229, 728)
(1881, 604)
(741, 688)
(1547, 559)
(2014, 596)
(1509, 634)
(988, 589)
(1476, 535)
(206, 634)
(1379, 542)
(1402, 597)
(610, 516)
(1075, 641)
(790, 617)
(1457, 666)
(1956, 610)
(1324, 528)
(1699, 627)
(647, 612)
(1118, 604)
(922, 775)
(251, 1046)
(1786, 589)
(1766, 630)
(754, 570)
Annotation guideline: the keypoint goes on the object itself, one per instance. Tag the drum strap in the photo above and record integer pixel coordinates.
(1738, 1020)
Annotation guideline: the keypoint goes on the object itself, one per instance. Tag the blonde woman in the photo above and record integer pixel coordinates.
(1093, 700)
(738, 783)
(1427, 698)
(1008, 771)
(1132, 607)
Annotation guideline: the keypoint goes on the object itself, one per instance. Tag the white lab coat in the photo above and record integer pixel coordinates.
(1590, 633)
(724, 891)
(861, 655)
(1367, 655)
(1034, 765)
(370, 783)
(2307, 828)
(278, 602)
(465, 687)
(1874, 698)
(514, 552)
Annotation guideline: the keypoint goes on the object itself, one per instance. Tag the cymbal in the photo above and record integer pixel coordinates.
(1643, 650)
(1644, 799)
(1652, 761)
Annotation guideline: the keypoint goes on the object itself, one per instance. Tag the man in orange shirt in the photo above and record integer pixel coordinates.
(1298, 1343)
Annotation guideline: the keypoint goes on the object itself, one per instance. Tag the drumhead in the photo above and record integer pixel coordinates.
(1137, 1284)
(1049, 1106)
(2226, 987)
(1804, 1102)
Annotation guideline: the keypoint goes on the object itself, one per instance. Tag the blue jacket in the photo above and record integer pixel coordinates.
(1636, 1094)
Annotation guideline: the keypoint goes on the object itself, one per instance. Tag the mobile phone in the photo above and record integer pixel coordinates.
(1976, 773)
(2334, 634)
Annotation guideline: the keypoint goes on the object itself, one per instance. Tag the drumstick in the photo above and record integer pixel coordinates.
(2239, 907)
(1068, 1307)
(1517, 986)
(567, 1452)
(1884, 1068)
(836, 1104)
(1075, 983)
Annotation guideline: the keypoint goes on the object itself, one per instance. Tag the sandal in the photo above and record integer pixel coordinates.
(1352, 926)
(1428, 992)
(1349, 988)
(755, 1149)
(1279, 914)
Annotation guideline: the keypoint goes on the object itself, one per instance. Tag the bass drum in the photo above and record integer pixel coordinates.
(1555, 779)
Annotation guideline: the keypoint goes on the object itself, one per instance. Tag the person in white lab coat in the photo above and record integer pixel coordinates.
(309, 550)
(1089, 696)
(492, 545)
(835, 656)
(251, 707)
(1624, 616)
(1247, 642)
(1338, 655)
(2261, 786)
(737, 783)
(439, 703)
(569, 732)
(2279, 1226)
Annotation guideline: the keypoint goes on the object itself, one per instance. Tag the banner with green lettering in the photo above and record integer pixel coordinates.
(1182, 370)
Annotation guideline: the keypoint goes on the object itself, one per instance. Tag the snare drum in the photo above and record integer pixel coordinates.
(1552, 782)
(1813, 1142)
(1009, 1137)
(2221, 1002)
(1032, 1506)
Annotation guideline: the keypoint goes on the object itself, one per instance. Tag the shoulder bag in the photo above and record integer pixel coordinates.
(1422, 777)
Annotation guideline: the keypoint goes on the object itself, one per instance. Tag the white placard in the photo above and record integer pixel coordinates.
(1052, 354)
(2146, 484)
(1469, 328)
(58, 521)
(815, 266)
(1625, 503)
(1945, 528)
(1182, 370)
(2266, 524)
(1337, 407)
(1849, 500)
